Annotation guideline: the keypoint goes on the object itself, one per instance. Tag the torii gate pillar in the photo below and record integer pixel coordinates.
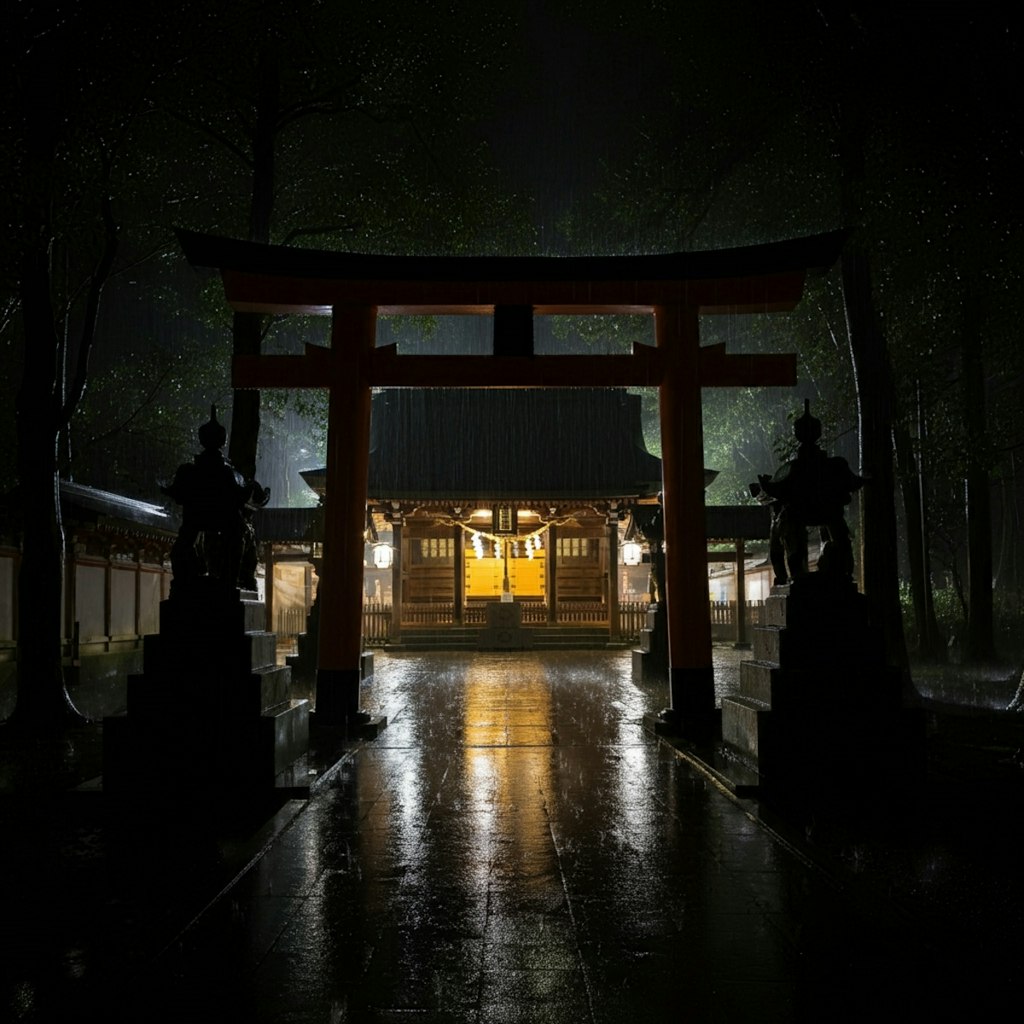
(353, 338)
(691, 676)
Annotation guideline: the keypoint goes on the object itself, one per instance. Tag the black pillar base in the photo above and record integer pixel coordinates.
(692, 689)
(693, 713)
(337, 699)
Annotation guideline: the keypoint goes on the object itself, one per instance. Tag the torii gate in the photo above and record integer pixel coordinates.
(353, 289)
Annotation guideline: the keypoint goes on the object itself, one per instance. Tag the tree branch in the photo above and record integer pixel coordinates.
(205, 129)
(92, 303)
(124, 424)
(321, 229)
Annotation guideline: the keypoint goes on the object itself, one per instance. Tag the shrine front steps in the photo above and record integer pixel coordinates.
(542, 638)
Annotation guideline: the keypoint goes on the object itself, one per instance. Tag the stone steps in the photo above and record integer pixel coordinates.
(466, 638)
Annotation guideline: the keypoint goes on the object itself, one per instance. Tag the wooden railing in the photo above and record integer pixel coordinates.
(632, 618)
(377, 617)
(376, 623)
(723, 615)
(290, 621)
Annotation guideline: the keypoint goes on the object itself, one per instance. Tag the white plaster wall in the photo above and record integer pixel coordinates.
(122, 602)
(149, 602)
(90, 591)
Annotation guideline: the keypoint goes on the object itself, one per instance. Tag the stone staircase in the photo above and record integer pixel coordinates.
(212, 707)
(467, 638)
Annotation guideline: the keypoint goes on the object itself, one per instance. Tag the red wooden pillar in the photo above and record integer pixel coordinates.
(353, 334)
(459, 600)
(614, 623)
(741, 593)
(397, 573)
(691, 676)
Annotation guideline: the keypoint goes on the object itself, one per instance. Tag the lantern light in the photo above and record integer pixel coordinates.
(632, 553)
(382, 556)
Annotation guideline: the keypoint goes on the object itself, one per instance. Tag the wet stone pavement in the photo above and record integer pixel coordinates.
(513, 847)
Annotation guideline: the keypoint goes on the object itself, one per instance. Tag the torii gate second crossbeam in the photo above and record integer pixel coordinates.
(354, 289)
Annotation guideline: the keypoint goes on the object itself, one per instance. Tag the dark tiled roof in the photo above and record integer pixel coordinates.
(522, 443)
(112, 506)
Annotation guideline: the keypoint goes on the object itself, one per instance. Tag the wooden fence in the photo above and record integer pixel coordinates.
(377, 617)
(632, 617)
(723, 616)
(376, 623)
(289, 621)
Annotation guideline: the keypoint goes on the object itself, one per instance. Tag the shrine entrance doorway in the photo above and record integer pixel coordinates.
(353, 290)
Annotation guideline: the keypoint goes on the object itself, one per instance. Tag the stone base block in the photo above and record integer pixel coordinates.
(649, 666)
(285, 733)
(743, 723)
(373, 726)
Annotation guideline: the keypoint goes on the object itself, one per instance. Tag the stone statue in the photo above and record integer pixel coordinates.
(216, 538)
(811, 490)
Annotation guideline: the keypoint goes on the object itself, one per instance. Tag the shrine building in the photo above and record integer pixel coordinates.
(525, 495)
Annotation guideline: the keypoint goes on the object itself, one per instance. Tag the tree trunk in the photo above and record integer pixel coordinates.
(930, 646)
(247, 328)
(247, 333)
(43, 700)
(873, 379)
(980, 642)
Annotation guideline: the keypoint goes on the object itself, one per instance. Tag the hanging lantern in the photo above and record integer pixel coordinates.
(632, 549)
(632, 553)
(382, 556)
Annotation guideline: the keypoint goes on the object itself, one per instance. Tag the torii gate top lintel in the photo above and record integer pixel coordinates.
(281, 279)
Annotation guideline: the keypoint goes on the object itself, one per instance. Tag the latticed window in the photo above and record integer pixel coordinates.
(437, 548)
(577, 547)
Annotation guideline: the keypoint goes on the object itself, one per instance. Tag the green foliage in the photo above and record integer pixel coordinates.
(163, 395)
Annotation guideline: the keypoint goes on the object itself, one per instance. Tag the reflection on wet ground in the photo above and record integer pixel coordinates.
(514, 847)
(990, 687)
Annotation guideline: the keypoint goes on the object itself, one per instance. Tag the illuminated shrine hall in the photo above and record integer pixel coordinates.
(524, 493)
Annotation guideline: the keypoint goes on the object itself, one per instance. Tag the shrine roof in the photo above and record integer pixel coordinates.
(509, 444)
(118, 508)
(276, 278)
(466, 445)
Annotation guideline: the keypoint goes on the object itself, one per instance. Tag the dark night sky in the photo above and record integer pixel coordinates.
(594, 89)
(586, 87)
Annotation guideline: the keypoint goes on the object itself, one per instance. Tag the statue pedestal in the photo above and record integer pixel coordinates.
(650, 659)
(818, 708)
(212, 709)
